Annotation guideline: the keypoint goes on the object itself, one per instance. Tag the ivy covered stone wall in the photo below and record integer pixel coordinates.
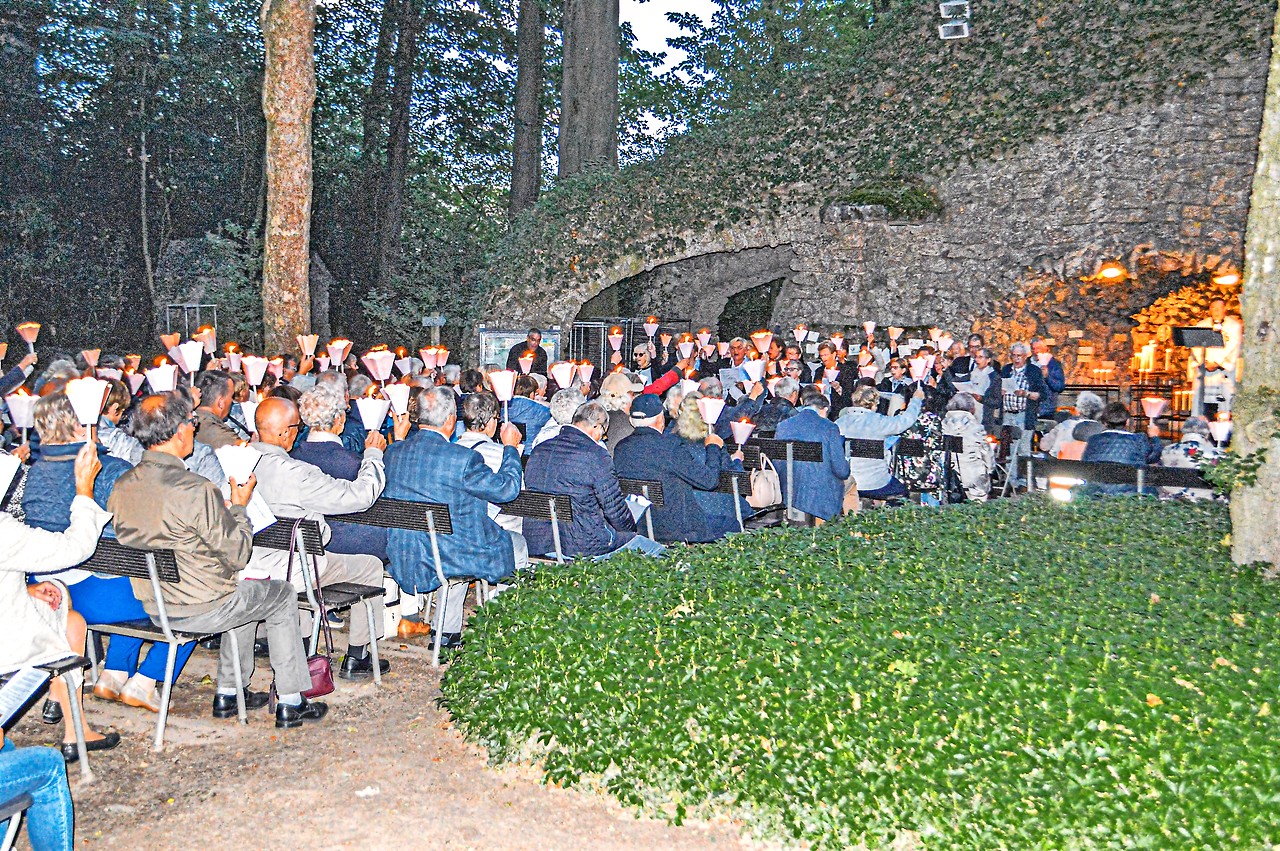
(1060, 135)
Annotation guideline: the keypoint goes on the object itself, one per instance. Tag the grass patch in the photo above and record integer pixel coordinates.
(1020, 674)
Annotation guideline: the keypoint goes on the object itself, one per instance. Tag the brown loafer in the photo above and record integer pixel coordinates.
(408, 628)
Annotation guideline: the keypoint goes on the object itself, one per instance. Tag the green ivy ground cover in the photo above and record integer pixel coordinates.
(1015, 675)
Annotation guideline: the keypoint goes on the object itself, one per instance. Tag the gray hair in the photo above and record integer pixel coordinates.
(432, 406)
(711, 388)
(671, 402)
(452, 373)
(1089, 405)
(1019, 347)
(1196, 425)
(785, 388)
(335, 379)
(564, 403)
(321, 406)
(962, 402)
(56, 421)
(59, 369)
(156, 422)
(590, 414)
(358, 385)
(811, 397)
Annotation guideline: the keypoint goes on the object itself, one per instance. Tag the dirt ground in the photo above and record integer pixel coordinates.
(386, 769)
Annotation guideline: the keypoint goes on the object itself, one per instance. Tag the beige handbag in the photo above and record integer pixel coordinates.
(766, 485)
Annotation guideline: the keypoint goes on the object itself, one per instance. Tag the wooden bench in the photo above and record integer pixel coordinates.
(555, 508)
(304, 537)
(1104, 473)
(155, 566)
(433, 519)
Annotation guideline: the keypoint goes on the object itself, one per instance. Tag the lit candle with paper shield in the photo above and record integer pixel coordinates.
(704, 337)
(337, 350)
(250, 411)
(710, 409)
(429, 356)
(87, 396)
(742, 430)
(754, 370)
(275, 366)
(379, 364)
(895, 332)
(162, 378)
(869, 328)
(1153, 406)
(562, 373)
(405, 365)
(398, 395)
(686, 349)
(503, 382)
(255, 368)
(526, 360)
(91, 357)
(373, 412)
(22, 410)
(442, 356)
(762, 339)
(837, 339)
(615, 338)
(135, 382)
(665, 338)
(868, 370)
(919, 366)
(723, 348)
(651, 326)
(29, 332)
(307, 343)
(107, 372)
(208, 338)
(1221, 430)
(586, 369)
(322, 362)
(170, 340)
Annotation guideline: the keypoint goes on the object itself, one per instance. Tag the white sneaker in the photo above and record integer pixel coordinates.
(140, 691)
(109, 684)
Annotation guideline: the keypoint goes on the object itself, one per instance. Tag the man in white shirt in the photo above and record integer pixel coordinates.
(1221, 363)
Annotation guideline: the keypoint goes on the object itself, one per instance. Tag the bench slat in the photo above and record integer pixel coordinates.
(801, 450)
(278, 536)
(635, 487)
(725, 484)
(1119, 474)
(536, 505)
(114, 558)
(401, 514)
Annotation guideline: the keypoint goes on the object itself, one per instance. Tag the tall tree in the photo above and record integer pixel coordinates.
(1255, 510)
(526, 154)
(406, 63)
(589, 91)
(288, 94)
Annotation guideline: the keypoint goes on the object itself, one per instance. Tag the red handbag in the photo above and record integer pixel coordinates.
(319, 665)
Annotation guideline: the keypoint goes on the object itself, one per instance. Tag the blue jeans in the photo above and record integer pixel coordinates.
(646, 546)
(895, 488)
(42, 774)
(112, 601)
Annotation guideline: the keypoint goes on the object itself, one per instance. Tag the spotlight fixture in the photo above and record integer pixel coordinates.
(1228, 278)
(1112, 270)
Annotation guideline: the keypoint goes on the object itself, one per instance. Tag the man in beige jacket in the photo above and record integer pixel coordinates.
(161, 505)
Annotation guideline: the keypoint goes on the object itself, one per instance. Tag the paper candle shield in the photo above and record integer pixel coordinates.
(869, 327)
(742, 431)
(208, 338)
(830, 375)
(665, 339)
(686, 349)
(250, 411)
(934, 334)
(503, 382)
(86, 396)
(373, 412)
(754, 369)
(238, 461)
(704, 337)
(799, 332)
(170, 340)
(562, 372)
(1042, 360)
(379, 364)
(22, 409)
(322, 362)
(687, 386)
(929, 361)
(254, 368)
(275, 366)
(398, 395)
(1220, 429)
(837, 340)
(4, 350)
(189, 355)
(442, 356)
(526, 361)
(710, 409)
(233, 360)
(307, 343)
(29, 332)
(162, 378)
(585, 370)
(762, 341)
(868, 371)
(135, 382)
(651, 328)
(337, 350)
(945, 343)
(615, 340)
(722, 348)
(91, 357)
(405, 365)
(1153, 406)
(428, 356)
(113, 374)
(894, 332)
(919, 366)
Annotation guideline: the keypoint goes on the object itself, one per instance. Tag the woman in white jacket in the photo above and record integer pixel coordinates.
(39, 625)
(976, 459)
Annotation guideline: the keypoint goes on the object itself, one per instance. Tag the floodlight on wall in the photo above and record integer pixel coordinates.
(1112, 270)
(953, 30)
(952, 9)
(1228, 278)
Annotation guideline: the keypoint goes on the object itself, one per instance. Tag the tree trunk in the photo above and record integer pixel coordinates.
(589, 90)
(288, 93)
(1255, 510)
(392, 195)
(526, 159)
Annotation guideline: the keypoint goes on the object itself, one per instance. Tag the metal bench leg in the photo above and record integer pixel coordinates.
(77, 721)
(315, 630)
(235, 667)
(737, 506)
(165, 693)
(92, 653)
(373, 644)
(11, 835)
(441, 593)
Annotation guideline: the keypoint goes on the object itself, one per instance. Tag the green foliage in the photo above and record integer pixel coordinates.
(1021, 674)
(903, 201)
(898, 104)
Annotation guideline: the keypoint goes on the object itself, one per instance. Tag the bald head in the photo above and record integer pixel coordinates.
(277, 420)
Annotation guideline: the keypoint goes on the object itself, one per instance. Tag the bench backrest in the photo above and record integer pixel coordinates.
(952, 443)
(536, 505)
(1104, 473)
(638, 487)
(278, 535)
(727, 477)
(859, 447)
(801, 450)
(115, 559)
(402, 514)
(909, 447)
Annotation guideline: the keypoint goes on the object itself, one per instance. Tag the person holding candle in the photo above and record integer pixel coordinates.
(217, 392)
(531, 343)
(642, 362)
(793, 355)
(838, 377)
(872, 476)
(18, 374)
(782, 405)
(528, 409)
(718, 515)
(1055, 378)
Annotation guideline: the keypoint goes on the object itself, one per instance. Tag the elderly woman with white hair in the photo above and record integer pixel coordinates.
(976, 458)
(563, 405)
(1194, 450)
(616, 392)
(1087, 408)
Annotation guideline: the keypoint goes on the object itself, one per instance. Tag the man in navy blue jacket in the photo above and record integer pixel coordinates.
(651, 455)
(575, 463)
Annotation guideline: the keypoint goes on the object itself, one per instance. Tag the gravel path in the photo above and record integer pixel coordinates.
(386, 769)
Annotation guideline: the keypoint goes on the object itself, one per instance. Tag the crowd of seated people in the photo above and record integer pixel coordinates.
(149, 475)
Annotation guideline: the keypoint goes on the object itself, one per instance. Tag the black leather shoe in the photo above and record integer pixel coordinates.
(51, 713)
(260, 648)
(106, 743)
(449, 641)
(224, 705)
(360, 669)
(288, 716)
